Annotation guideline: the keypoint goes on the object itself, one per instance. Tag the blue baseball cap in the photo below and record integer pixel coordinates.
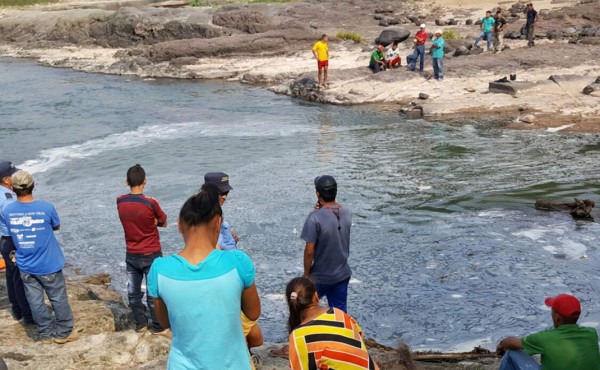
(7, 169)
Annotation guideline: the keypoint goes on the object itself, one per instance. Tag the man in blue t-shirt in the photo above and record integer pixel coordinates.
(532, 18)
(14, 284)
(31, 224)
(227, 238)
(487, 25)
(326, 232)
(437, 53)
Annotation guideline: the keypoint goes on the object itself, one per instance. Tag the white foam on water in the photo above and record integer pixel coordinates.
(355, 281)
(533, 234)
(492, 214)
(274, 297)
(573, 249)
(559, 128)
(456, 295)
(469, 345)
(143, 135)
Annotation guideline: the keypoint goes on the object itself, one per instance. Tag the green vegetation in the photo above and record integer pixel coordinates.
(349, 35)
(4, 3)
(450, 35)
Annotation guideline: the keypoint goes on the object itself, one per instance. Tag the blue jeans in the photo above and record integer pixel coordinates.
(59, 326)
(419, 53)
(488, 37)
(438, 68)
(337, 294)
(138, 266)
(518, 360)
(14, 284)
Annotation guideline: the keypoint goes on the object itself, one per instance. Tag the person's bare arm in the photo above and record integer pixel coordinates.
(235, 236)
(315, 54)
(251, 303)
(56, 228)
(162, 314)
(509, 343)
(309, 255)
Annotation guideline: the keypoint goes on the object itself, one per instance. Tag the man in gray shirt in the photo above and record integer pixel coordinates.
(327, 235)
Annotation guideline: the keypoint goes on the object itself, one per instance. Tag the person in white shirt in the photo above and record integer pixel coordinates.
(393, 56)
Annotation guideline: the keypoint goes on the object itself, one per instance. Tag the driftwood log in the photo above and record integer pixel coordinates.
(476, 353)
(579, 208)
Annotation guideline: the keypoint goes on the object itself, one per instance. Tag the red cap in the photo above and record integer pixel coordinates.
(566, 305)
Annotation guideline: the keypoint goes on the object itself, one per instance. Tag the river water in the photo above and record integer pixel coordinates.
(447, 249)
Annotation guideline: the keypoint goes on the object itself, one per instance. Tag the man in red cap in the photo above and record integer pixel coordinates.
(566, 346)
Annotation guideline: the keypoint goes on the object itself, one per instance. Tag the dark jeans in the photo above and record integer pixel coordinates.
(337, 294)
(14, 284)
(419, 53)
(376, 67)
(438, 68)
(138, 266)
(59, 326)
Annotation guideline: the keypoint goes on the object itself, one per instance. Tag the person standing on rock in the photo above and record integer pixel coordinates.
(419, 52)
(437, 52)
(14, 284)
(326, 232)
(31, 224)
(377, 61)
(199, 291)
(499, 27)
(487, 26)
(227, 238)
(320, 51)
(566, 346)
(532, 18)
(140, 216)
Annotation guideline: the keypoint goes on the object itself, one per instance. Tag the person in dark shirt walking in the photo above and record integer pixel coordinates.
(140, 216)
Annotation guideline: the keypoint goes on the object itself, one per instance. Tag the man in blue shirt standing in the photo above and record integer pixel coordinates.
(437, 52)
(14, 284)
(31, 224)
(487, 25)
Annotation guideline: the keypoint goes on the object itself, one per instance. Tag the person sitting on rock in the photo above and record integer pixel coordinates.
(393, 56)
(566, 346)
(322, 337)
(377, 62)
(487, 25)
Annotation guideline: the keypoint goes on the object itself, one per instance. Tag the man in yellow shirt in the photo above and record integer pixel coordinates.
(321, 52)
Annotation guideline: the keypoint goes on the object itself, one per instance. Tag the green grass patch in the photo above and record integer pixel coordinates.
(450, 35)
(5, 3)
(350, 35)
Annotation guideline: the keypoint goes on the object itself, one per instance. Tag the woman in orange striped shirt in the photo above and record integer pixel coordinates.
(322, 337)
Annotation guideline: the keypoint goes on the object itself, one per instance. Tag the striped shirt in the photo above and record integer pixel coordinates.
(332, 340)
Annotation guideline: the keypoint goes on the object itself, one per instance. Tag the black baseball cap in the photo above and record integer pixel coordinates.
(220, 179)
(7, 169)
(325, 184)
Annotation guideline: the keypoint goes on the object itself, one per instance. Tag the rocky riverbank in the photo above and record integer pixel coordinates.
(107, 339)
(270, 44)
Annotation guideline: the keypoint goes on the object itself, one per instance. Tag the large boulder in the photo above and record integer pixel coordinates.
(392, 35)
(247, 21)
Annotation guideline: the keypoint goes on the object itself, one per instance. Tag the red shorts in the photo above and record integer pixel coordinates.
(323, 64)
(394, 61)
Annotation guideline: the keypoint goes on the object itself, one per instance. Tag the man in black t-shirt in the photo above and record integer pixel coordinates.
(499, 28)
(532, 18)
